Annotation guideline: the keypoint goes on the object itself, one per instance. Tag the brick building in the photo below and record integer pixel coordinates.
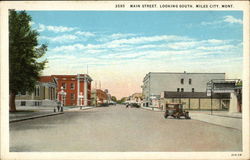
(99, 97)
(74, 86)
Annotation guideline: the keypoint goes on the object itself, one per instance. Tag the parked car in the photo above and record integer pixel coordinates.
(134, 105)
(104, 105)
(176, 110)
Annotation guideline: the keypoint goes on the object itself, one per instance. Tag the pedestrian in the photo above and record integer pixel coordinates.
(61, 108)
(127, 105)
(58, 105)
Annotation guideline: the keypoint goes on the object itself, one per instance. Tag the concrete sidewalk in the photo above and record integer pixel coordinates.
(32, 112)
(152, 109)
(221, 118)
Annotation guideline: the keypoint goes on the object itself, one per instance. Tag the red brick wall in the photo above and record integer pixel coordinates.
(69, 91)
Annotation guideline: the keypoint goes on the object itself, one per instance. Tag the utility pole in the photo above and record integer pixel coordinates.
(87, 70)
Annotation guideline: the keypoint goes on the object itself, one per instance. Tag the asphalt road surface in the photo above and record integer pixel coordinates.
(119, 129)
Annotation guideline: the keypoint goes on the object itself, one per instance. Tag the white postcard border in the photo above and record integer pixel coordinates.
(108, 6)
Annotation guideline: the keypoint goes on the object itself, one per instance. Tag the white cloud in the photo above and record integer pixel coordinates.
(215, 41)
(94, 51)
(31, 23)
(61, 39)
(115, 36)
(68, 48)
(231, 19)
(225, 19)
(85, 34)
(121, 35)
(41, 28)
(64, 57)
(131, 55)
(183, 45)
(137, 40)
(56, 29)
(225, 47)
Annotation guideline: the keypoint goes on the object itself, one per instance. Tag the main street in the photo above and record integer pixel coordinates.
(117, 128)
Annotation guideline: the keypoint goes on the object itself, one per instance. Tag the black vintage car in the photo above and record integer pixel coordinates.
(176, 111)
(134, 105)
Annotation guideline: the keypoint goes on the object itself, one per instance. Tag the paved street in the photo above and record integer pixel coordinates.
(117, 128)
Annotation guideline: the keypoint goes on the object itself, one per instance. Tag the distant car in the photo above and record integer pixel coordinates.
(176, 110)
(134, 105)
(104, 105)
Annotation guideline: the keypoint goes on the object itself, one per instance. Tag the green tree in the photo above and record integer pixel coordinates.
(122, 100)
(113, 98)
(239, 83)
(25, 65)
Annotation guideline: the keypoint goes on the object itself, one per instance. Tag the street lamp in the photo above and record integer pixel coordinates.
(62, 98)
(80, 99)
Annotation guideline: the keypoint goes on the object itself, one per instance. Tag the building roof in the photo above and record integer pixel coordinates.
(46, 79)
(73, 76)
(137, 95)
(68, 76)
(169, 94)
(180, 73)
(185, 73)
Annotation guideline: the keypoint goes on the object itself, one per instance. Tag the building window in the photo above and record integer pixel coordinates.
(72, 86)
(72, 96)
(37, 103)
(190, 81)
(192, 89)
(64, 85)
(182, 81)
(178, 89)
(182, 89)
(23, 103)
(37, 91)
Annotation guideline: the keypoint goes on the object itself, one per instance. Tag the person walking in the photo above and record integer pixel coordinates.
(58, 105)
(127, 105)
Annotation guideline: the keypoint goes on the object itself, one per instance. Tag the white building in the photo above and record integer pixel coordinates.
(156, 82)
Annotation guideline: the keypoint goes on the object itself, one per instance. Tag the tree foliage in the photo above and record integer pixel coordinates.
(122, 100)
(25, 65)
(113, 98)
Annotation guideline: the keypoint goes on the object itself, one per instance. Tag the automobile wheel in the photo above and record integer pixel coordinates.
(166, 115)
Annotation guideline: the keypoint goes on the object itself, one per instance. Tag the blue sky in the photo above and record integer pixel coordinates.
(120, 47)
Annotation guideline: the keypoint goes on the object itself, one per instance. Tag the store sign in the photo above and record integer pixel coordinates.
(223, 91)
(208, 93)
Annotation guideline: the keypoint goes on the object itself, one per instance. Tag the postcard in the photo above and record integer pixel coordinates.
(124, 80)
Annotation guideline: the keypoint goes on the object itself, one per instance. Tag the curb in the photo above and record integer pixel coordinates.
(226, 116)
(34, 117)
(78, 109)
(151, 109)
